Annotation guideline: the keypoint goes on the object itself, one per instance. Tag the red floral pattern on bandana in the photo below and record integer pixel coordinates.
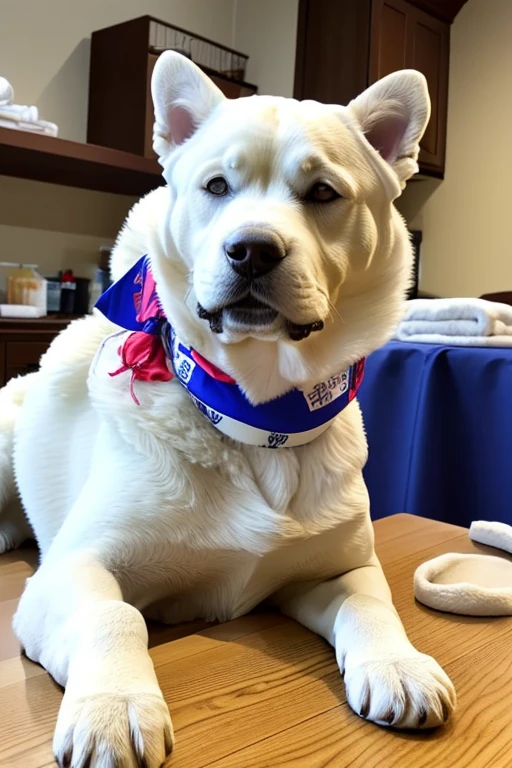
(143, 355)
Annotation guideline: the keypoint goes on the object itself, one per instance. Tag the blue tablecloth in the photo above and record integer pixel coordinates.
(439, 426)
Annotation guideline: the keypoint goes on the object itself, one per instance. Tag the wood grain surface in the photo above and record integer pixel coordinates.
(263, 692)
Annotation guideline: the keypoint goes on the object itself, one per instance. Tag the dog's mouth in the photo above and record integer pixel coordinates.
(253, 313)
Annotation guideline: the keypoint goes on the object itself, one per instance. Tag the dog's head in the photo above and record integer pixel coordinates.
(283, 256)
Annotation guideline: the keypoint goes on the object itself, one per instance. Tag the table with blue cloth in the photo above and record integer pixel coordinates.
(439, 427)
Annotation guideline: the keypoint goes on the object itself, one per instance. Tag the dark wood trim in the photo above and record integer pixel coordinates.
(444, 10)
(300, 54)
(49, 324)
(58, 161)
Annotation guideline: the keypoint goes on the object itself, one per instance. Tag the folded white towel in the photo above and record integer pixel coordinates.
(19, 112)
(41, 126)
(21, 117)
(20, 310)
(473, 585)
(458, 341)
(464, 322)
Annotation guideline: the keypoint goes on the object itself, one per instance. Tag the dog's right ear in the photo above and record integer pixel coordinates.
(183, 97)
(393, 114)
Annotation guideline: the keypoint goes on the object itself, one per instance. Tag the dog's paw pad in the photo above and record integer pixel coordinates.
(113, 730)
(404, 692)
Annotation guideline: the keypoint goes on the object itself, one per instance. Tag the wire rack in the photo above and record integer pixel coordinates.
(206, 53)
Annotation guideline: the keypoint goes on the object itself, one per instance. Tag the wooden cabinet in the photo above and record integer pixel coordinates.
(22, 344)
(331, 63)
(23, 357)
(345, 45)
(122, 60)
(405, 37)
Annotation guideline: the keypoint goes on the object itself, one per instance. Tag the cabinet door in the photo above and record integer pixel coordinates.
(389, 39)
(405, 37)
(23, 357)
(430, 55)
(331, 63)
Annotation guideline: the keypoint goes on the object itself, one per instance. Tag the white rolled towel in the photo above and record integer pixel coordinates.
(470, 584)
(40, 126)
(19, 112)
(21, 117)
(465, 321)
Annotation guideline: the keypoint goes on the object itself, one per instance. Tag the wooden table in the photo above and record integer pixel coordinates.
(263, 692)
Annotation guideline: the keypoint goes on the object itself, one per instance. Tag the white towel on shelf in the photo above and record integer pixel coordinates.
(21, 117)
(19, 112)
(42, 127)
(470, 584)
(21, 311)
(460, 322)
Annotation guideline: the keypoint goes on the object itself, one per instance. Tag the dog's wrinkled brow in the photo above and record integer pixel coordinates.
(310, 163)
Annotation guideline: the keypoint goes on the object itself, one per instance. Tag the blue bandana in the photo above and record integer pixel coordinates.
(153, 352)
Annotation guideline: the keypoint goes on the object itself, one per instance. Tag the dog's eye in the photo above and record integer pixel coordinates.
(217, 186)
(321, 193)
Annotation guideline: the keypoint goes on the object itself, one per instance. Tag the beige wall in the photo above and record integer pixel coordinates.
(267, 31)
(467, 246)
(44, 53)
(57, 227)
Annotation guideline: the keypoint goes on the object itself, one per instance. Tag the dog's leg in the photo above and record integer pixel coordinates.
(14, 527)
(387, 680)
(73, 621)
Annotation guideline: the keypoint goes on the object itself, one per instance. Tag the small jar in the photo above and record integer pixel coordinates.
(67, 297)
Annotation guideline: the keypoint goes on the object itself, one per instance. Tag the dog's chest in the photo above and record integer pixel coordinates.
(224, 524)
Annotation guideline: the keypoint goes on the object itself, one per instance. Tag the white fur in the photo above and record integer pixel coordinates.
(149, 507)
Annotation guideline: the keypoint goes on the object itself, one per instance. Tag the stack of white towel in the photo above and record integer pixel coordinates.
(459, 322)
(20, 117)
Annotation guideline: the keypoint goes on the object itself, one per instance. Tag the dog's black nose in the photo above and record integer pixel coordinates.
(254, 254)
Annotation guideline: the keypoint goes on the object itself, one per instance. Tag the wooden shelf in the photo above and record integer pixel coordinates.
(48, 323)
(44, 158)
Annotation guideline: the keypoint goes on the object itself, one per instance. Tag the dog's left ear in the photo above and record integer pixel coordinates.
(393, 114)
(183, 97)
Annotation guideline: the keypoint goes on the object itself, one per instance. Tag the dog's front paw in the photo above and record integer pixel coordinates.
(403, 690)
(112, 730)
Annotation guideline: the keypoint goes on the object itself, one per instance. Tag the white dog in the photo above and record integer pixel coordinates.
(142, 448)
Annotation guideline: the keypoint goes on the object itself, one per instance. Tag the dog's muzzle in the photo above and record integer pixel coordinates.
(252, 253)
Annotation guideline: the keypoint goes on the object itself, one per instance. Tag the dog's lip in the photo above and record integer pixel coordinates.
(250, 303)
(251, 311)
